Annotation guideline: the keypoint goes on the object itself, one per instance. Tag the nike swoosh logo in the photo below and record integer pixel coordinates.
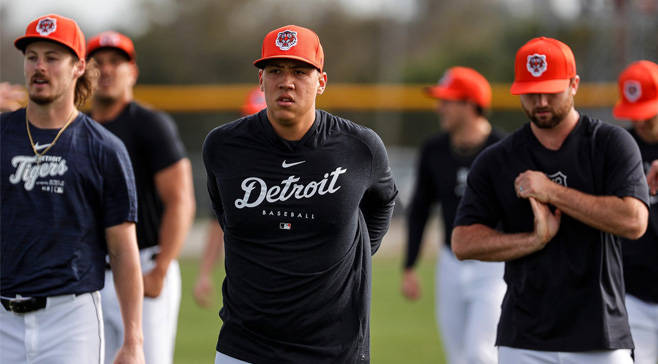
(288, 165)
(38, 146)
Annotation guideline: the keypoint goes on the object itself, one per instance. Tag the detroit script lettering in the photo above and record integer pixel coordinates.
(257, 190)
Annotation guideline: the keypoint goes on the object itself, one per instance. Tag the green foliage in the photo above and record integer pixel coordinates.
(401, 331)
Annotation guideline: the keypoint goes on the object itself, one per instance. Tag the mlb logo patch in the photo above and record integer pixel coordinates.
(286, 40)
(285, 226)
(536, 64)
(46, 26)
(632, 90)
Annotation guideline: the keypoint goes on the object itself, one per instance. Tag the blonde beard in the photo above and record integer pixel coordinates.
(45, 100)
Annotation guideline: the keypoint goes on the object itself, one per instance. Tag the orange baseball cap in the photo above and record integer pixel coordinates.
(638, 87)
(254, 102)
(293, 42)
(543, 66)
(111, 39)
(55, 28)
(462, 83)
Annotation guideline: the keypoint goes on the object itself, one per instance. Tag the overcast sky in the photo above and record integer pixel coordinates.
(95, 16)
(92, 15)
(98, 15)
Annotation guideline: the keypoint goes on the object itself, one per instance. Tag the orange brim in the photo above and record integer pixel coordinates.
(22, 42)
(444, 93)
(636, 111)
(259, 62)
(539, 87)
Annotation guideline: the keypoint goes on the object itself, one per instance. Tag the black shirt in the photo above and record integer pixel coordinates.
(440, 178)
(301, 221)
(153, 144)
(641, 256)
(568, 296)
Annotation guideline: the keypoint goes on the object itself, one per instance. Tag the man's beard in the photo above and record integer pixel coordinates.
(104, 99)
(42, 100)
(558, 115)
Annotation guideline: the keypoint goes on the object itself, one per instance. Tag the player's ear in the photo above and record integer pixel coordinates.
(322, 82)
(574, 83)
(80, 67)
(260, 80)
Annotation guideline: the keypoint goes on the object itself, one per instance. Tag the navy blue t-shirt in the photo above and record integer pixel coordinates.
(568, 296)
(441, 178)
(153, 144)
(54, 214)
(301, 222)
(641, 256)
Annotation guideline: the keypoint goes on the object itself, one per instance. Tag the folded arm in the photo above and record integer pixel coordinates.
(624, 216)
(481, 242)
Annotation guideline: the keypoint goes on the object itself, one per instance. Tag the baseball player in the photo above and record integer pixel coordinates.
(165, 192)
(564, 188)
(204, 286)
(68, 199)
(304, 199)
(468, 294)
(638, 102)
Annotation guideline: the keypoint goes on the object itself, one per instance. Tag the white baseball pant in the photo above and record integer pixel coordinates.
(522, 356)
(225, 359)
(469, 295)
(69, 329)
(159, 315)
(643, 318)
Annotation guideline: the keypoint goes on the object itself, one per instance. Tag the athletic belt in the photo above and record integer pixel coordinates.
(24, 305)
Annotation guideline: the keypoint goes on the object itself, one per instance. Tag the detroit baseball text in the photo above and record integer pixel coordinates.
(283, 193)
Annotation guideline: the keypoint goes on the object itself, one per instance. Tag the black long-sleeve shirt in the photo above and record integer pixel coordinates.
(301, 221)
(440, 178)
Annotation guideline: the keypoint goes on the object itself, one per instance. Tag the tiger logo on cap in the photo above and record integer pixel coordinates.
(46, 26)
(110, 39)
(446, 80)
(632, 90)
(286, 40)
(536, 64)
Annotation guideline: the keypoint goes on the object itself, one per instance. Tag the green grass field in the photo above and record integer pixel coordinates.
(401, 331)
